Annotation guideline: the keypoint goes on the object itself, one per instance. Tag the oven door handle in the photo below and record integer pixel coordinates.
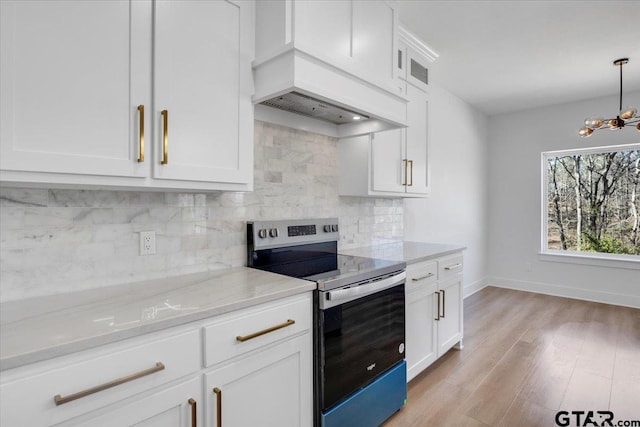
(341, 296)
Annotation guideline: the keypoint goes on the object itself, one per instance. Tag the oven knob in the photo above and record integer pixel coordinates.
(327, 228)
(262, 233)
(334, 228)
(273, 232)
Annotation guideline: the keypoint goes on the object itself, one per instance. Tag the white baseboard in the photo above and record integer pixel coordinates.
(474, 287)
(565, 291)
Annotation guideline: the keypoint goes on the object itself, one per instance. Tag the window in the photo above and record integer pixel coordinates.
(591, 202)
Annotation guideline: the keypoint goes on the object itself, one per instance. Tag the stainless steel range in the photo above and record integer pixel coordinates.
(359, 325)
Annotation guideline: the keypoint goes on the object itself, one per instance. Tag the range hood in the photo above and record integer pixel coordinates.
(297, 90)
(309, 106)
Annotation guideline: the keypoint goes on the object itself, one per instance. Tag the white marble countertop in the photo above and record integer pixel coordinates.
(409, 252)
(42, 328)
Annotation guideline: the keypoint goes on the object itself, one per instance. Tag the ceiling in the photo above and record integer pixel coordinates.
(503, 56)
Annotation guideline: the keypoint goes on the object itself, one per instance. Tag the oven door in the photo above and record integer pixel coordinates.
(361, 335)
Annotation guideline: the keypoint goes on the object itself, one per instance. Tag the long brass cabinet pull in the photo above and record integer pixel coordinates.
(65, 399)
(194, 412)
(404, 166)
(141, 133)
(243, 338)
(165, 137)
(437, 294)
(417, 279)
(218, 393)
(410, 162)
(452, 267)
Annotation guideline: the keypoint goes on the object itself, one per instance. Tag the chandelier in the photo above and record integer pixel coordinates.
(628, 117)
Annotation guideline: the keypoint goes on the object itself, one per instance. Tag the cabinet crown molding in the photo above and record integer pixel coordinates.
(417, 44)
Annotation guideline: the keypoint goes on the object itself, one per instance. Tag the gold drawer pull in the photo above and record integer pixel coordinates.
(218, 393)
(194, 412)
(165, 137)
(444, 305)
(141, 134)
(417, 279)
(410, 162)
(60, 399)
(405, 164)
(243, 338)
(453, 267)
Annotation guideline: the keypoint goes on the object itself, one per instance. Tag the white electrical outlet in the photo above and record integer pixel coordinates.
(147, 242)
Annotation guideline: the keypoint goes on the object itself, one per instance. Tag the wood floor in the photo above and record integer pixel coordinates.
(526, 356)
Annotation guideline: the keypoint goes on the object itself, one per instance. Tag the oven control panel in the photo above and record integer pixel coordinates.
(272, 234)
(301, 230)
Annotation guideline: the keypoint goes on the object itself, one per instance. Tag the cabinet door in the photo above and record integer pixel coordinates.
(374, 41)
(418, 140)
(387, 161)
(202, 79)
(176, 406)
(271, 388)
(450, 323)
(73, 74)
(421, 329)
(323, 28)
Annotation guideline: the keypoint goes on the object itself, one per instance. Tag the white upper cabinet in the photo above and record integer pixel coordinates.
(357, 36)
(412, 61)
(200, 81)
(84, 85)
(73, 74)
(393, 163)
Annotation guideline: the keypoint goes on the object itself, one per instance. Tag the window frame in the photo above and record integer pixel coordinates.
(578, 257)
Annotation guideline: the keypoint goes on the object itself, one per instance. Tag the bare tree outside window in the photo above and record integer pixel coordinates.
(592, 201)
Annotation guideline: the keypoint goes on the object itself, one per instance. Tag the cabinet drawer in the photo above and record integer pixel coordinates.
(449, 266)
(255, 327)
(421, 274)
(89, 380)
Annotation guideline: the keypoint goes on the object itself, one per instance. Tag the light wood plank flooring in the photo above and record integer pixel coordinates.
(527, 356)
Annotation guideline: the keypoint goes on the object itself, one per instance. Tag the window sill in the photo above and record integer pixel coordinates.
(631, 262)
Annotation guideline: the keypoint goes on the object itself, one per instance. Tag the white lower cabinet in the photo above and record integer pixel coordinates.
(434, 311)
(171, 406)
(258, 359)
(269, 388)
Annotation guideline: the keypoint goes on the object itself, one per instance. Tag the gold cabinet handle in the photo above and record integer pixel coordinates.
(404, 166)
(65, 399)
(437, 293)
(417, 279)
(244, 338)
(194, 412)
(410, 162)
(218, 393)
(453, 267)
(444, 306)
(165, 137)
(141, 133)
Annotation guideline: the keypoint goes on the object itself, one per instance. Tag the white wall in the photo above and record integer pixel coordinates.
(456, 211)
(516, 141)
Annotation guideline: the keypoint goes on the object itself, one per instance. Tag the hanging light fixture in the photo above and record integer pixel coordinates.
(626, 117)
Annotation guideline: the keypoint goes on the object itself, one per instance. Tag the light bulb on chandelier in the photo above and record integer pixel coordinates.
(626, 117)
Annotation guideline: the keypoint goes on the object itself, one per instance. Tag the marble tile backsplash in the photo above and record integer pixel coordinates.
(56, 241)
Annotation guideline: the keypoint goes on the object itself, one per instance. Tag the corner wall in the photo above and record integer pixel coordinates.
(456, 211)
(516, 143)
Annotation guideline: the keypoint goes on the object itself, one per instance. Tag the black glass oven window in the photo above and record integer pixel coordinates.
(361, 339)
